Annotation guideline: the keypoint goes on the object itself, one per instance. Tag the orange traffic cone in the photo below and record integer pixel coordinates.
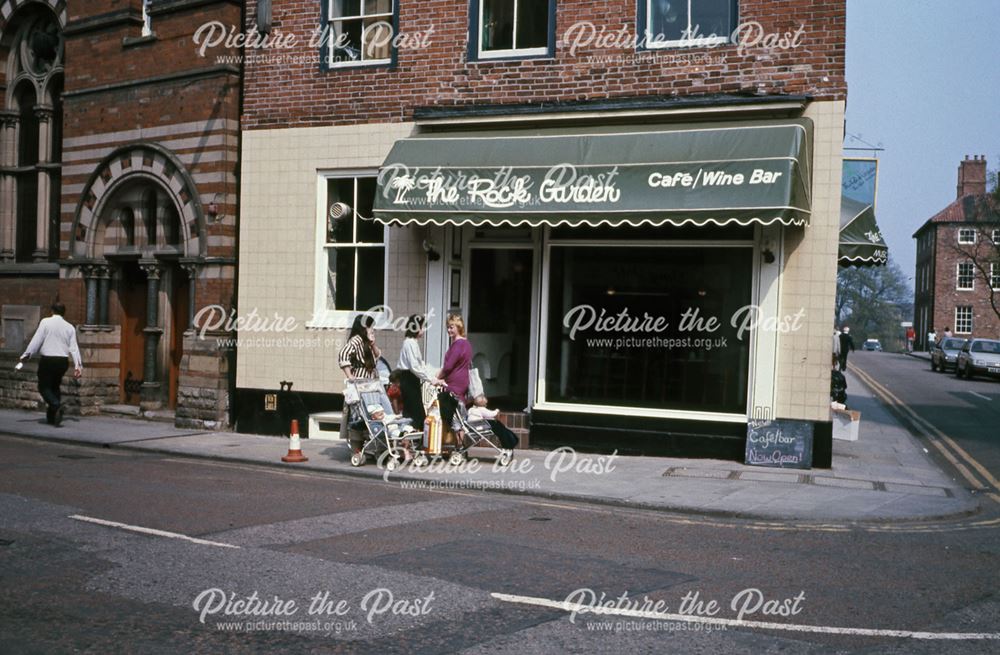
(294, 446)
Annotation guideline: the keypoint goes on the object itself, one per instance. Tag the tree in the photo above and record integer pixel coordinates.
(873, 301)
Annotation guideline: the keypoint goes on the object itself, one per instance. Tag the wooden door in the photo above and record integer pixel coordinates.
(132, 295)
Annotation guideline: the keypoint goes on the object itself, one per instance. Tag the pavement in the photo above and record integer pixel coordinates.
(884, 476)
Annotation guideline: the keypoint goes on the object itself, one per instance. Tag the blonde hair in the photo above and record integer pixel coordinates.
(456, 320)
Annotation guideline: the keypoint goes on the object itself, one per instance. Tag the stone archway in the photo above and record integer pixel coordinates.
(141, 160)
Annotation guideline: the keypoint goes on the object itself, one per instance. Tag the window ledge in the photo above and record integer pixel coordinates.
(133, 41)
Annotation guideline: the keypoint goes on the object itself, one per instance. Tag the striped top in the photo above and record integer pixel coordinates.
(353, 356)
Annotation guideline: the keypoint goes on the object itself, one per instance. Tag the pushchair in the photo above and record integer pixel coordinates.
(478, 433)
(384, 435)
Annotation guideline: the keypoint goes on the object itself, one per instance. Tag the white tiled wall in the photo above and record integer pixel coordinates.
(809, 279)
(278, 258)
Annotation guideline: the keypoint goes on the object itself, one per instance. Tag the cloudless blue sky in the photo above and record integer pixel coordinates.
(923, 80)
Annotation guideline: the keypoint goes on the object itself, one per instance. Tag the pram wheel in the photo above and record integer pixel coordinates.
(357, 459)
(420, 459)
(391, 464)
(505, 457)
(456, 459)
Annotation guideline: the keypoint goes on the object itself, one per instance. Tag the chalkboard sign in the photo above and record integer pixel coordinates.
(780, 443)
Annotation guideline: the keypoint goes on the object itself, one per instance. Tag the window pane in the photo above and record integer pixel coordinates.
(500, 281)
(498, 24)
(346, 40)
(371, 277)
(712, 17)
(668, 19)
(346, 8)
(532, 23)
(378, 7)
(340, 190)
(625, 366)
(377, 38)
(368, 231)
(340, 278)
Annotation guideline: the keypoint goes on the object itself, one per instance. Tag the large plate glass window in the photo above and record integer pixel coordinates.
(512, 28)
(966, 277)
(354, 248)
(359, 32)
(667, 23)
(619, 356)
(963, 320)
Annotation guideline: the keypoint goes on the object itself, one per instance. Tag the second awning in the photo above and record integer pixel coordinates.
(861, 242)
(701, 174)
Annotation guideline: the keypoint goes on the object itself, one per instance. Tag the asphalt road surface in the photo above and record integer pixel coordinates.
(258, 560)
(965, 411)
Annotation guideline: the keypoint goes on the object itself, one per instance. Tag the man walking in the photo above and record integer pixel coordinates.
(54, 342)
(846, 344)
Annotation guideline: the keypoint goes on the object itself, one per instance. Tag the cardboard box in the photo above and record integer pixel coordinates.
(845, 424)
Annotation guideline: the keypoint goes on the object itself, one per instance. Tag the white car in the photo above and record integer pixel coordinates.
(979, 357)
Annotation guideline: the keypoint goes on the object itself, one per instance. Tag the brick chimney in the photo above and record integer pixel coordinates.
(972, 176)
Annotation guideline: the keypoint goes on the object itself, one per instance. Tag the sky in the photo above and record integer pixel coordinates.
(923, 80)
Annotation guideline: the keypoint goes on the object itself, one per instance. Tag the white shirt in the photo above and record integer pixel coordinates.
(410, 359)
(55, 337)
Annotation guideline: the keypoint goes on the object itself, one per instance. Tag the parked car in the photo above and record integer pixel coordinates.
(979, 357)
(945, 353)
(872, 344)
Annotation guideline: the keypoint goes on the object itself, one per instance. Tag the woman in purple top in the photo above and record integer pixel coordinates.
(455, 372)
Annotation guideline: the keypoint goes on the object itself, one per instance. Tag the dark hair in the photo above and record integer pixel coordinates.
(59, 308)
(414, 324)
(360, 329)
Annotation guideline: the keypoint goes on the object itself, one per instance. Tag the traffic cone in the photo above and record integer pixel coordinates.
(294, 447)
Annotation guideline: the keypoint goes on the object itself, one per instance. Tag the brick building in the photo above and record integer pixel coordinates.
(958, 262)
(447, 132)
(119, 185)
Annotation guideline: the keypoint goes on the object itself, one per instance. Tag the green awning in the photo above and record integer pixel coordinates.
(861, 242)
(717, 173)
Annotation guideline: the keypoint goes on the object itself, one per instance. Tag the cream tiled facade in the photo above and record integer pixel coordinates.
(809, 279)
(281, 197)
(279, 244)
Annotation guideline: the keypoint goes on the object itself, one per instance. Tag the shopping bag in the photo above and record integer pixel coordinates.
(475, 383)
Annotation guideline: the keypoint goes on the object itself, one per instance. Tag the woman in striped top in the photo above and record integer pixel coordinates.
(357, 357)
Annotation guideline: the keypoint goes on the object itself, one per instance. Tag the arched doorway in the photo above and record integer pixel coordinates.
(139, 235)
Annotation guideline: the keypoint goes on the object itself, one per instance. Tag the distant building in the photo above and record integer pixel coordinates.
(958, 270)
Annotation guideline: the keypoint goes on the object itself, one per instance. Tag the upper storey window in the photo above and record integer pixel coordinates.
(508, 29)
(359, 32)
(672, 23)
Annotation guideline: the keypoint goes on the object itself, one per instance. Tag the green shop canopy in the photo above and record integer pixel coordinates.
(861, 242)
(718, 174)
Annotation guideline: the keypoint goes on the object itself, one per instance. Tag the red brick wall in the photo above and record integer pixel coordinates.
(281, 92)
(985, 322)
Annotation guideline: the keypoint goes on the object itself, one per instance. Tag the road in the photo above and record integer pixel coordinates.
(967, 412)
(391, 570)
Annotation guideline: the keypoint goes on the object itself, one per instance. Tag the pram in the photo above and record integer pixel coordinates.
(478, 433)
(391, 437)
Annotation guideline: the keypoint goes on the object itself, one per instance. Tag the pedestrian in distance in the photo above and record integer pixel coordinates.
(838, 384)
(947, 333)
(846, 345)
(55, 342)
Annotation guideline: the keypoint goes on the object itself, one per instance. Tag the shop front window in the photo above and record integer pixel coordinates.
(649, 327)
(354, 247)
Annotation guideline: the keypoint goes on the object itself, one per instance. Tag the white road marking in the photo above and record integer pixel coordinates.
(151, 531)
(979, 395)
(763, 625)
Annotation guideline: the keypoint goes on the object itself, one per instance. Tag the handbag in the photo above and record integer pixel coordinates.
(350, 394)
(475, 383)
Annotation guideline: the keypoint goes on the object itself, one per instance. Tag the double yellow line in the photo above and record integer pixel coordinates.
(959, 458)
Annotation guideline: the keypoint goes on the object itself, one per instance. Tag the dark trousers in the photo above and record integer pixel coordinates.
(50, 374)
(413, 403)
(843, 360)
